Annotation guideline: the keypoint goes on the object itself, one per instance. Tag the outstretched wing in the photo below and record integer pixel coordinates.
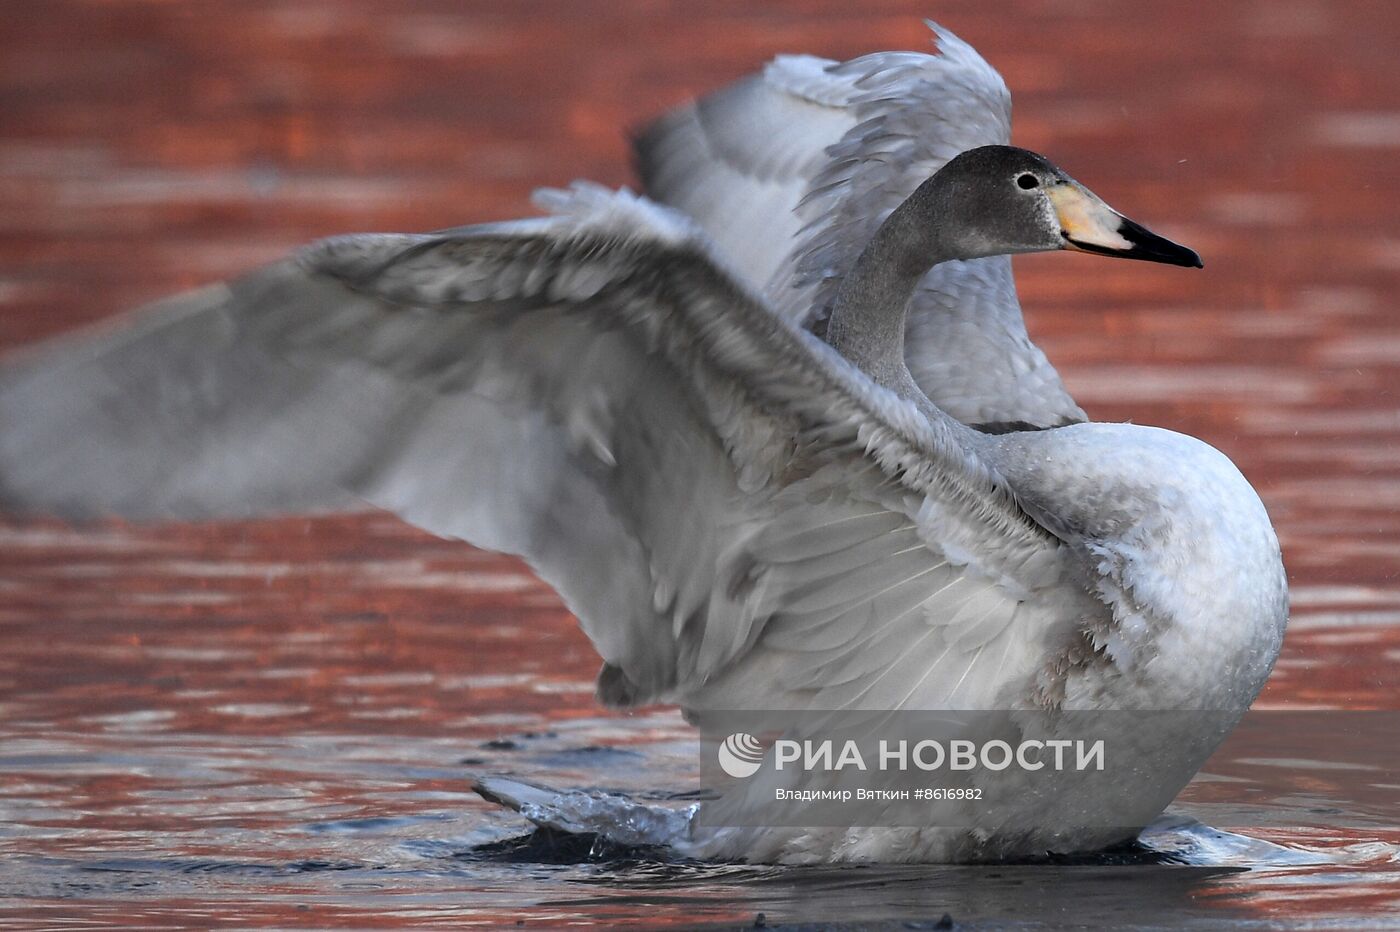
(739, 160)
(791, 172)
(715, 493)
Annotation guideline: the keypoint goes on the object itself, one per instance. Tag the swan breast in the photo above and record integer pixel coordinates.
(1176, 541)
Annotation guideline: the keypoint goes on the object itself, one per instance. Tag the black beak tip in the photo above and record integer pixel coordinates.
(1177, 254)
(1153, 248)
(1191, 259)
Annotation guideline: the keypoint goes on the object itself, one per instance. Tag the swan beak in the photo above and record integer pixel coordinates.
(1089, 225)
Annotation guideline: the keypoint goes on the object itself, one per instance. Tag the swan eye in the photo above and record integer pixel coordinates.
(1028, 181)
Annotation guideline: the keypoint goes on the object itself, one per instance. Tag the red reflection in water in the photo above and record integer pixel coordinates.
(148, 146)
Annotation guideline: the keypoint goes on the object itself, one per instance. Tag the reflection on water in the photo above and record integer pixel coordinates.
(275, 723)
(119, 816)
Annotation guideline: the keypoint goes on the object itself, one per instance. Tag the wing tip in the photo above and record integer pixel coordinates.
(944, 38)
(653, 146)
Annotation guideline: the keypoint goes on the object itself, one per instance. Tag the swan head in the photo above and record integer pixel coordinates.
(1001, 199)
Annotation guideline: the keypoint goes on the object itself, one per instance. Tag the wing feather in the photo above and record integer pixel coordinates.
(717, 495)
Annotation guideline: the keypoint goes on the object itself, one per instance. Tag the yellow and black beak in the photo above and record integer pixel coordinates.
(1089, 225)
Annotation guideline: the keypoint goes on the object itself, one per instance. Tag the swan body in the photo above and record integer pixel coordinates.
(740, 514)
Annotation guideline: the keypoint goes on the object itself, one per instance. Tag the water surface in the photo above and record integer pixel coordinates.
(274, 723)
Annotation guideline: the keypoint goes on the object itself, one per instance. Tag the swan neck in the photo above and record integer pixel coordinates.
(868, 318)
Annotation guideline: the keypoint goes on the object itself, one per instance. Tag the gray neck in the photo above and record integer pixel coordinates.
(868, 317)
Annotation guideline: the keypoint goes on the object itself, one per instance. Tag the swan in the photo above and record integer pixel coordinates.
(741, 515)
(791, 170)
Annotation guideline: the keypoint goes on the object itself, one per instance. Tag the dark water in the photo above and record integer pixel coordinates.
(274, 723)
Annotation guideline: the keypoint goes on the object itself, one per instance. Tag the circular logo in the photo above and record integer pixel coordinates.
(740, 755)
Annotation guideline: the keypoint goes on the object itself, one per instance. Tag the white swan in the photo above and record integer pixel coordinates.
(791, 170)
(739, 516)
